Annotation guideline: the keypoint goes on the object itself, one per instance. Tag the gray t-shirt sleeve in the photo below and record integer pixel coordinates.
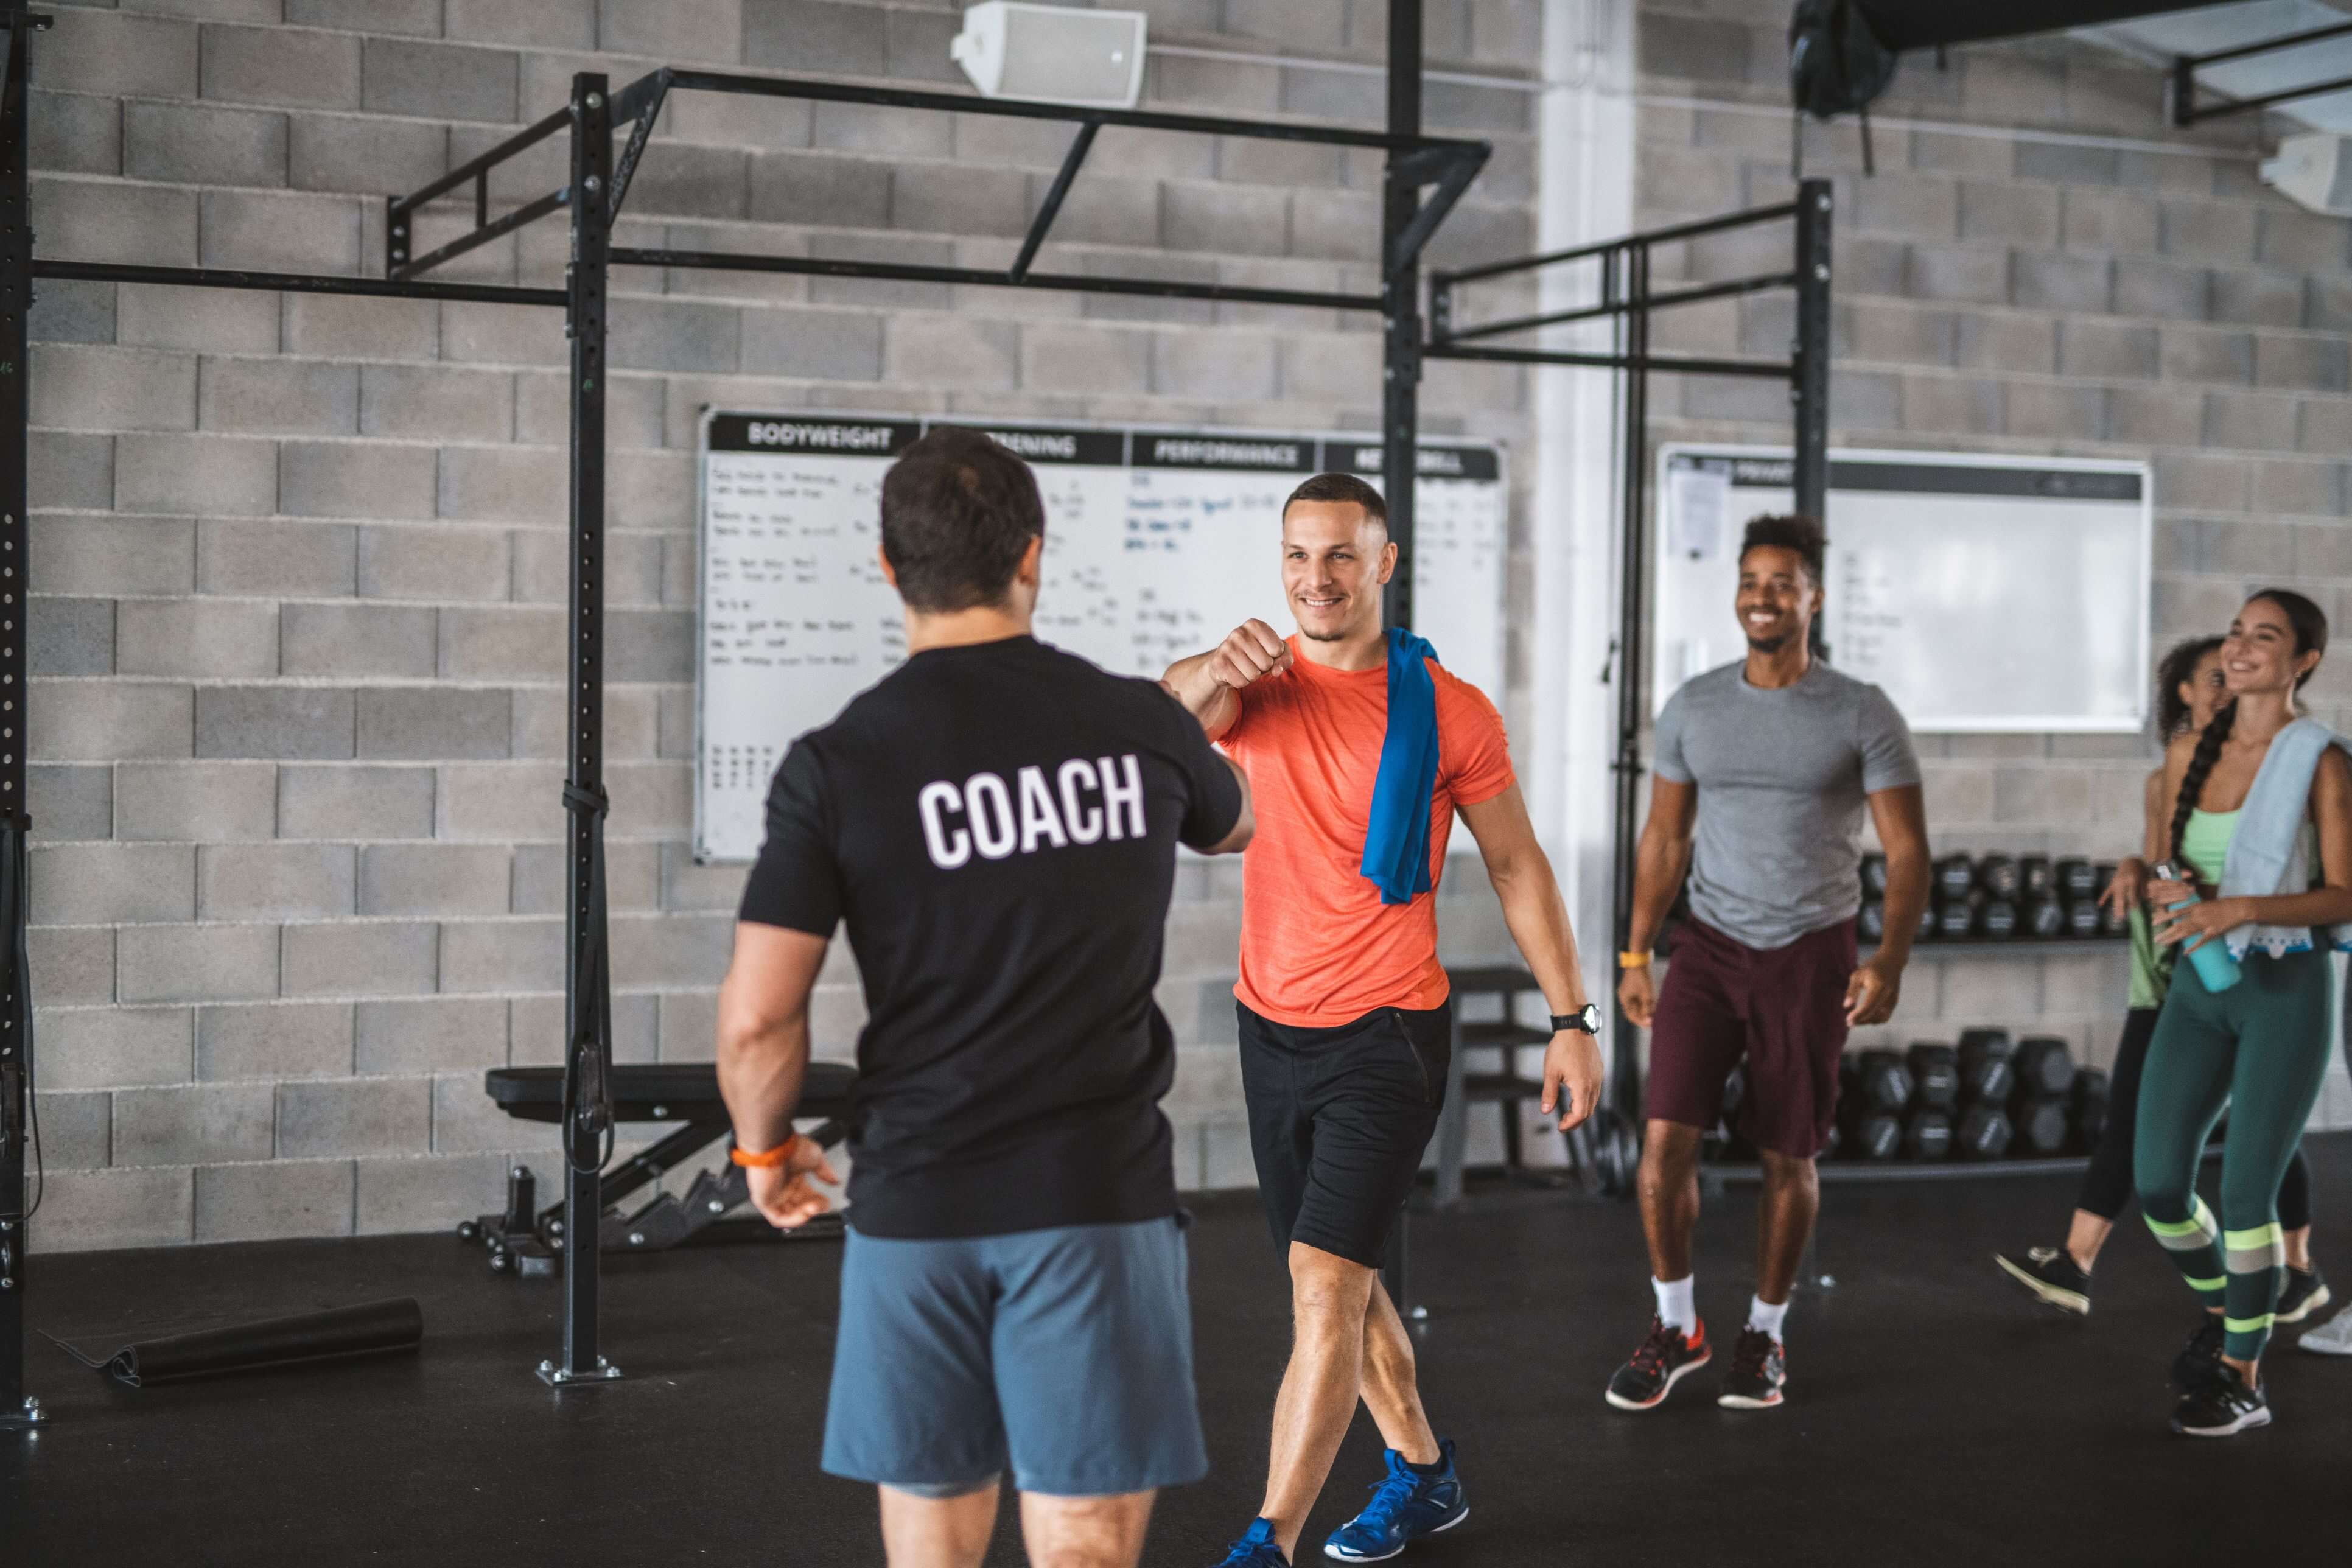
(1889, 760)
(1669, 763)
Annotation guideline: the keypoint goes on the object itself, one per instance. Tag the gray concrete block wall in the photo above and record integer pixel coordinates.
(297, 562)
(2017, 292)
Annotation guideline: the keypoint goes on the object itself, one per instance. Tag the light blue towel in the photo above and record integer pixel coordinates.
(1396, 842)
(2263, 859)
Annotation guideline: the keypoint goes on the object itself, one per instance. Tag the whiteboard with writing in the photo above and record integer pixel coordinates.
(1985, 594)
(1157, 542)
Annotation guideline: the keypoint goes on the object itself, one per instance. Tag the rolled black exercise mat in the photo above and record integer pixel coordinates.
(376, 1328)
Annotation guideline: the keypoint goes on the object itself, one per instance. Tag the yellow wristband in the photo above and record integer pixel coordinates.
(765, 1159)
(1633, 961)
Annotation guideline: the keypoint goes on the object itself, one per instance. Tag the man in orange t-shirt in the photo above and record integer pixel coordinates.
(1346, 1029)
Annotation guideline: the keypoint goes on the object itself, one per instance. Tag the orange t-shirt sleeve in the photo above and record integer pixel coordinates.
(1475, 752)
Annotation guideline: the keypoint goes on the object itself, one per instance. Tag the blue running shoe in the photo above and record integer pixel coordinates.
(1257, 1549)
(1406, 1507)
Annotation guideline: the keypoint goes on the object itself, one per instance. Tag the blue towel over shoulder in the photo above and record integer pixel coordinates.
(1396, 843)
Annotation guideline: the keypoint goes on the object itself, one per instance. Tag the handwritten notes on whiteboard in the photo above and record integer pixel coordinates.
(1157, 543)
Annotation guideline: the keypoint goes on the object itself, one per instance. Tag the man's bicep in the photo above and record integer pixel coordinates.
(771, 976)
(1673, 808)
(1900, 816)
(1890, 759)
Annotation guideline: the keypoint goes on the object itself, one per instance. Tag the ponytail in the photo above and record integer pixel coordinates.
(2200, 763)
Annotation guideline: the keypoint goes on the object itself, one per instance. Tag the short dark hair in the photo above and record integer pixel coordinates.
(1342, 488)
(958, 513)
(1791, 530)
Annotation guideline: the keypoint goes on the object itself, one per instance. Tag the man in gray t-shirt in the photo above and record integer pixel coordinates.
(1764, 769)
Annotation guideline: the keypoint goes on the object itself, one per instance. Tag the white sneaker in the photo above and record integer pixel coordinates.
(2331, 1338)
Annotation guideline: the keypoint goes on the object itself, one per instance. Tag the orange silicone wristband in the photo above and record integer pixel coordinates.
(766, 1159)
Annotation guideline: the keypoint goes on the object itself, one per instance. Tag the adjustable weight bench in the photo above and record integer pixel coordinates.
(525, 1239)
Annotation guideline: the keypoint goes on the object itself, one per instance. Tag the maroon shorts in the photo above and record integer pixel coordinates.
(1784, 1010)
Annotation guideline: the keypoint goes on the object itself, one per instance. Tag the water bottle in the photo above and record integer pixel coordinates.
(2214, 965)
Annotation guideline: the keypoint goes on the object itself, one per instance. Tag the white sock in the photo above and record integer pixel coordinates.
(1767, 1318)
(1675, 1309)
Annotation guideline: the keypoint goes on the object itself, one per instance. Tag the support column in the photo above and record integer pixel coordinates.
(1627, 278)
(587, 1010)
(18, 1408)
(1400, 308)
(1809, 390)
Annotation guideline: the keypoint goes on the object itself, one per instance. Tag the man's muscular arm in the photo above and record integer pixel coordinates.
(1660, 864)
(1209, 684)
(1537, 919)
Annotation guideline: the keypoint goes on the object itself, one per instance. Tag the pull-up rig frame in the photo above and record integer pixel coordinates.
(590, 197)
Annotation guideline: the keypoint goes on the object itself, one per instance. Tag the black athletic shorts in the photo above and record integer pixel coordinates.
(1338, 1119)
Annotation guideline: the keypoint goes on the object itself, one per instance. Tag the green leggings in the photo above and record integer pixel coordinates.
(2259, 1048)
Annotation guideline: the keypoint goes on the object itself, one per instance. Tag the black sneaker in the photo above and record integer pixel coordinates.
(2200, 1360)
(1659, 1362)
(2222, 1408)
(2050, 1272)
(2304, 1294)
(1760, 1370)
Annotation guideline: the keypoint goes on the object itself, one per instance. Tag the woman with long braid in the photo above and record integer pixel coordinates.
(2188, 691)
(2262, 818)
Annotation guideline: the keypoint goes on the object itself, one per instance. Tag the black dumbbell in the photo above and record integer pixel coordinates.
(2042, 1126)
(1927, 1135)
(1883, 1083)
(1735, 1094)
(1831, 1142)
(2045, 1066)
(2083, 917)
(1875, 1136)
(2034, 878)
(1984, 1133)
(1987, 1073)
(1956, 877)
(1928, 929)
(2043, 916)
(1935, 1075)
(1998, 919)
(1956, 918)
(1998, 875)
(1873, 875)
(1869, 925)
(2077, 878)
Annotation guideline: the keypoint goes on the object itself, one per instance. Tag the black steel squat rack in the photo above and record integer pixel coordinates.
(592, 196)
(1627, 298)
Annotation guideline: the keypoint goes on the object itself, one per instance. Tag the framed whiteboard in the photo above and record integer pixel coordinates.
(1157, 542)
(1986, 595)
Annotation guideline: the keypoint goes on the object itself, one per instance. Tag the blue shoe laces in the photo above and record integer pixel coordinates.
(1389, 1499)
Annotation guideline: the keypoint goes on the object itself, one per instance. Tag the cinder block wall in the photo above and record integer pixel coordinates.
(2057, 272)
(298, 564)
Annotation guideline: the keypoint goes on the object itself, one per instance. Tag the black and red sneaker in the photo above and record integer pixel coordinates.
(1658, 1363)
(1760, 1370)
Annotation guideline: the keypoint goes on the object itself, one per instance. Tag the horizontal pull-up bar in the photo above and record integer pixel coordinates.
(1617, 308)
(1622, 242)
(898, 272)
(1770, 370)
(2268, 45)
(294, 282)
(631, 100)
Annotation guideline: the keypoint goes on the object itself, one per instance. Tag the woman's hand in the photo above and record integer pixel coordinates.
(2200, 923)
(2163, 892)
(2125, 887)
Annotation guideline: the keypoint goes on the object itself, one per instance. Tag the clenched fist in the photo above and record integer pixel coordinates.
(1250, 652)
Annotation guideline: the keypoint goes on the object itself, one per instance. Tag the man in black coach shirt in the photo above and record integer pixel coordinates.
(996, 822)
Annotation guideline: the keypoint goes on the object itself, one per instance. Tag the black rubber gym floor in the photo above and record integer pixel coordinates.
(1935, 1416)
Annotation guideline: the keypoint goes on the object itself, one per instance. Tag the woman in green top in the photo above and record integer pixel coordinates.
(2188, 691)
(2258, 1043)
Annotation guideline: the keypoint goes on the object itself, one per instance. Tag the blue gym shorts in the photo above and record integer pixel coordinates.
(1067, 1353)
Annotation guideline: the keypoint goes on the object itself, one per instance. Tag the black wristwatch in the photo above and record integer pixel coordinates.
(1587, 1022)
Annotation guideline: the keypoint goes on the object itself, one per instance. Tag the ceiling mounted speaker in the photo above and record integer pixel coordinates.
(2315, 170)
(1049, 54)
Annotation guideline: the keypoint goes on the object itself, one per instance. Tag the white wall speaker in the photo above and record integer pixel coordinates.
(1050, 54)
(2315, 170)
